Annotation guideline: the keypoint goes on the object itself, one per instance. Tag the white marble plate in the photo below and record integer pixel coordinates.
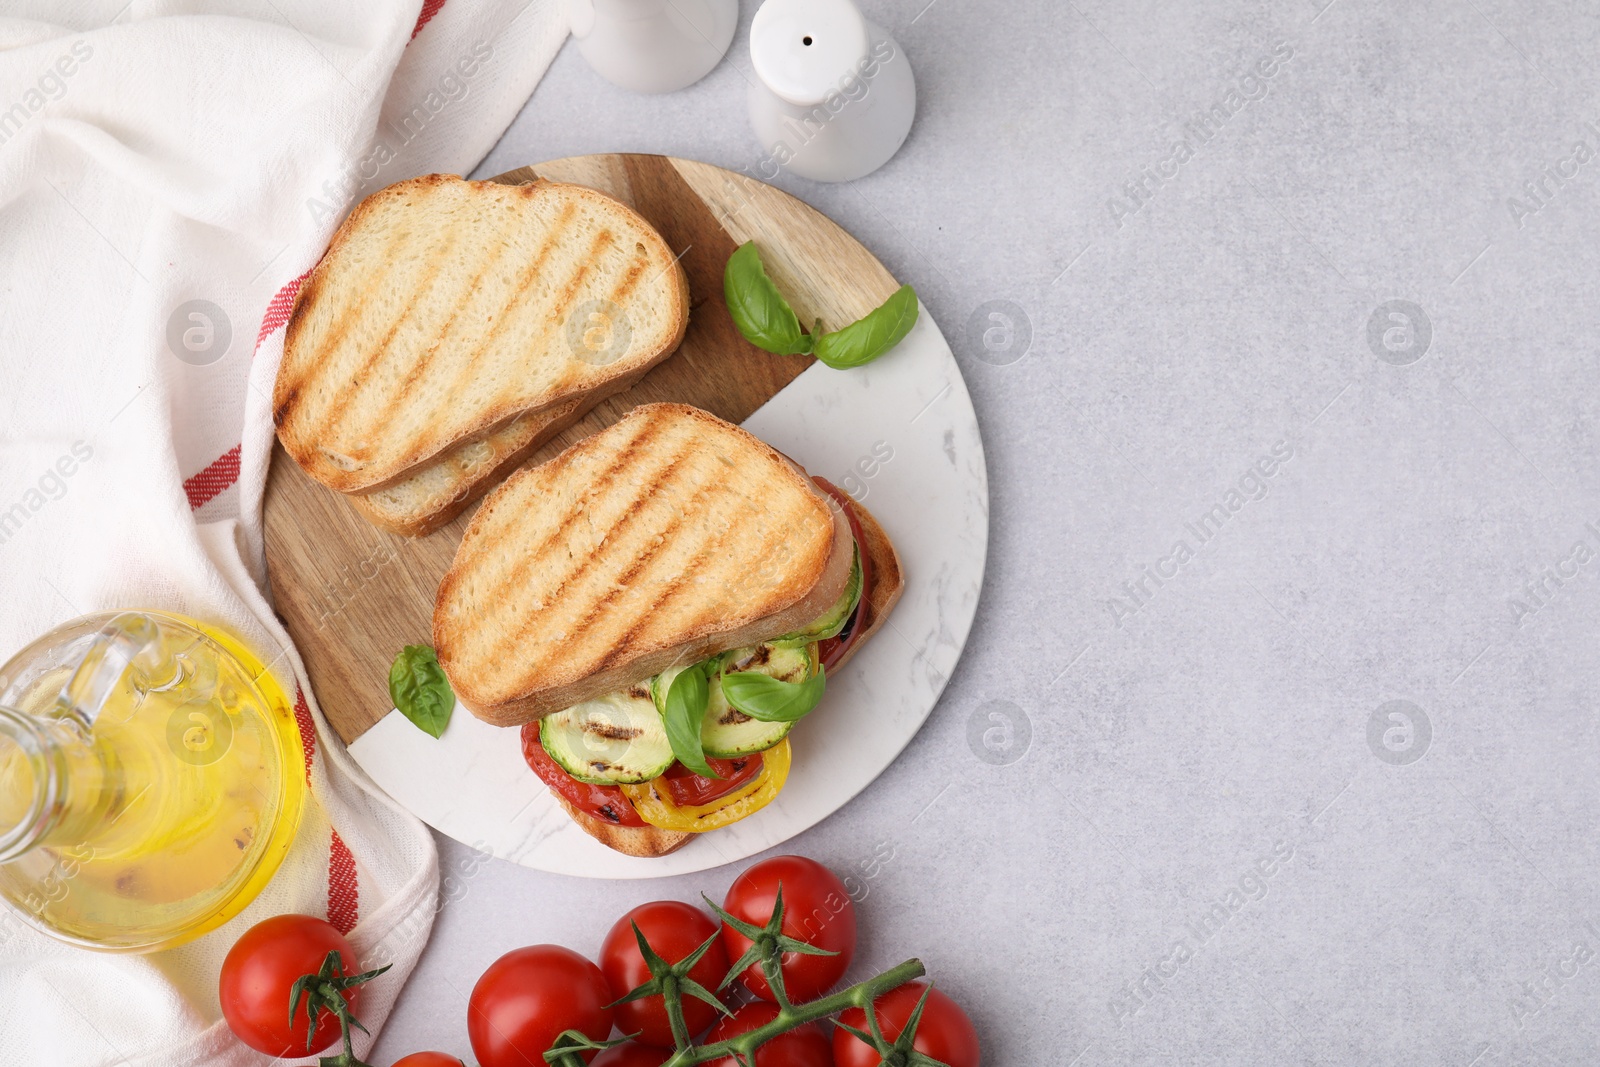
(931, 494)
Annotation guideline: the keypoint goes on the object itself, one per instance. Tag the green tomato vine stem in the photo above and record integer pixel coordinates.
(669, 995)
(325, 991)
(772, 964)
(768, 946)
(743, 1047)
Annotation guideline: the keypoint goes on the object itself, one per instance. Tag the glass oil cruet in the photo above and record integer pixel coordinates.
(151, 780)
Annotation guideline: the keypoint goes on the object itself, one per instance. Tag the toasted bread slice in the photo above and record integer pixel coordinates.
(446, 485)
(441, 489)
(645, 841)
(666, 537)
(445, 309)
(888, 580)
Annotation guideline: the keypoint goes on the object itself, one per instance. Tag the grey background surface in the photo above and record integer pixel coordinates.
(1215, 744)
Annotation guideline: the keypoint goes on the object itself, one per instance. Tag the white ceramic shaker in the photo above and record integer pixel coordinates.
(653, 46)
(834, 95)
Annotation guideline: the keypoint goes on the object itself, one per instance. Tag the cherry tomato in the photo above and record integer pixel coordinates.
(944, 1032)
(633, 1054)
(674, 930)
(804, 1046)
(263, 966)
(528, 997)
(817, 909)
(429, 1059)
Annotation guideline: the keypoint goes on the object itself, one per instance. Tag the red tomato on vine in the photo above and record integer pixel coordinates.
(674, 930)
(528, 997)
(259, 973)
(944, 1031)
(817, 909)
(632, 1054)
(428, 1059)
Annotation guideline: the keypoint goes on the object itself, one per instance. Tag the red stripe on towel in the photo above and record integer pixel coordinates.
(430, 8)
(308, 729)
(222, 472)
(344, 895)
(279, 307)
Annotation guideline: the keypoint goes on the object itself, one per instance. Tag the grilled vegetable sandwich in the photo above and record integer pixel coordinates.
(455, 326)
(657, 607)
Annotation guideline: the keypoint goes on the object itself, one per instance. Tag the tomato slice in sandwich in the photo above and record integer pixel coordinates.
(655, 800)
(688, 789)
(604, 802)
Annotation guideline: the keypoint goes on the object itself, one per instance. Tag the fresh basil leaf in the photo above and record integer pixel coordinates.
(764, 697)
(420, 690)
(866, 339)
(686, 710)
(758, 309)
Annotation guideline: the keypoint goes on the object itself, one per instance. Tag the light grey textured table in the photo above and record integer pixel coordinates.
(1201, 831)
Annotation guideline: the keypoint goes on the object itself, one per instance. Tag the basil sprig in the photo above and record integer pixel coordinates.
(767, 321)
(866, 339)
(769, 699)
(420, 690)
(758, 309)
(687, 697)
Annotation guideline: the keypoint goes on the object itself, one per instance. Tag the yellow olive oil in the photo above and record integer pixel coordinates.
(171, 809)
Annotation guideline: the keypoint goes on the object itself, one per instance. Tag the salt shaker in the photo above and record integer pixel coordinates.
(653, 46)
(834, 95)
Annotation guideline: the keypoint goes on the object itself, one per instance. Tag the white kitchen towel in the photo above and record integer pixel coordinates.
(169, 171)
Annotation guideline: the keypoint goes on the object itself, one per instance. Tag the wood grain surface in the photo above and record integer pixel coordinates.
(352, 595)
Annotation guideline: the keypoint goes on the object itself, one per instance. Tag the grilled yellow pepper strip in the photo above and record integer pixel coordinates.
(655, 806)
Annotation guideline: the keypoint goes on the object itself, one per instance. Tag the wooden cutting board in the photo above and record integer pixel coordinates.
(351, 595)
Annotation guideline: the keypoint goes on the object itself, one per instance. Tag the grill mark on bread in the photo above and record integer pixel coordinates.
(637, 444)
(384, 421)
(524, 282)
(624, 458)
(626, 285)
(304, 298)
(629, 280)
(561, 303)
(621, 584)
(709, 611)
(597, 486)
(280, 412)
(620, 645)
(289, 384)
(604, 239)
(409, 508)
(362, 379)
(609, 239)
(583, 564)
(316, 363)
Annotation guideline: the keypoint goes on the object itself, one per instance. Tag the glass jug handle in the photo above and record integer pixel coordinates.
(129, 641)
